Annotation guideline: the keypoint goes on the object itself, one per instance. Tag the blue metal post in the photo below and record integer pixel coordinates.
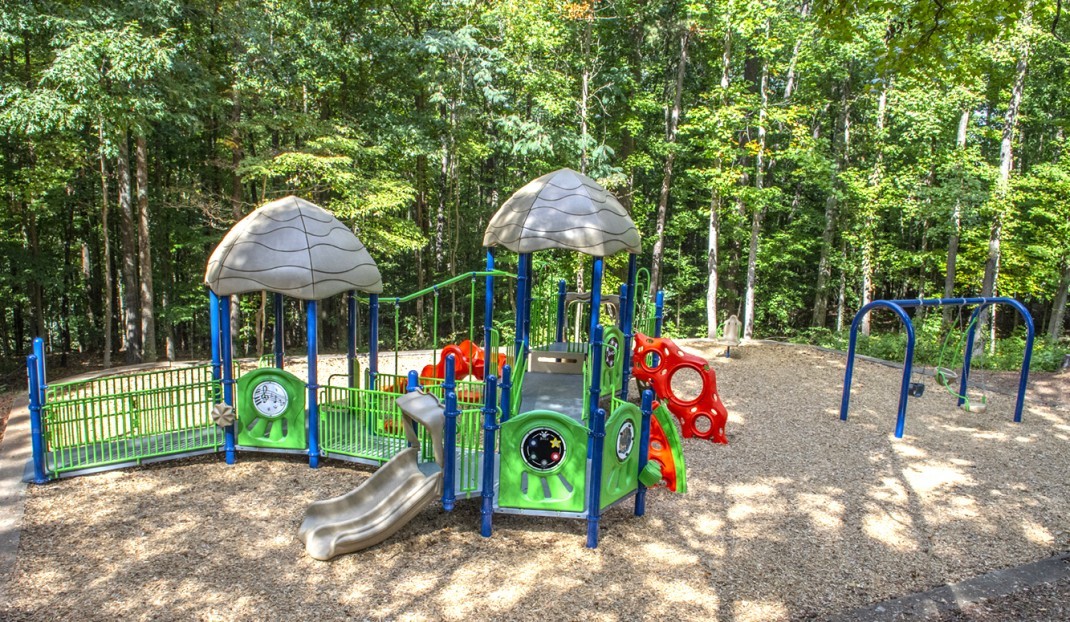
(597, 420)
(490, 425)
(628, 326)
(488, 315)
(521, 304)
(527, 304)
(280, 338)
(507, 392)
(597, 270)
(313, 387)
(908, 362)
(449, 462)
(559, 334)
(659, 312)
(373, 341)
(213, 324)
(644, 450)
(413, 382)
(351, 337)
(37, 436)
(42, 374)
(226, 349)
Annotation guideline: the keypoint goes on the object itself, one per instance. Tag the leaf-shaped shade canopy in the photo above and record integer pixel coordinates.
(563, 209)
(294, 248)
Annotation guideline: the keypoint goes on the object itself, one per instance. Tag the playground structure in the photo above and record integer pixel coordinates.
(943, 376)
(568, 388)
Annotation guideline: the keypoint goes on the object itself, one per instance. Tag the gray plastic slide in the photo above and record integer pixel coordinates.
(389, 499)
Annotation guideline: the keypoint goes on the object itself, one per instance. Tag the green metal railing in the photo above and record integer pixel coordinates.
(469, 451)
(364, 424)
(130, 418)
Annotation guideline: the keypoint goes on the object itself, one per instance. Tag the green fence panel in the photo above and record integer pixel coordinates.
(363, 424)
(130, 418)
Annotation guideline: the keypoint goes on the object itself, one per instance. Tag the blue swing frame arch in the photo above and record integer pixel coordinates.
(899, 308)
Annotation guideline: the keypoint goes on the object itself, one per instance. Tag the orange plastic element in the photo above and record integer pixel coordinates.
(656, 360)
(661, 453)
(468, 360)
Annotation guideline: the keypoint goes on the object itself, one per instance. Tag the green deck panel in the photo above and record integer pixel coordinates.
(286, 431)
(620, 477)
(561, 488)
(672, 435)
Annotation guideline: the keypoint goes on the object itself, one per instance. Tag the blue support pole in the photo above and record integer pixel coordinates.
(42, 372)
(628, 326)
(37, 436)
(313, 386)
(647, 409)
(488, 314)
(597, 418)
(521, 304)
(226, 349)
(373, 341)
(659, 312)
(527, 304)
(597, 270)
(559, 334)
(413, 381)
(280, 338)
(506, 390)
(449, 462)
(622, 295)
(908, 362)
(351, 337)
(213, 328)
(490, 425)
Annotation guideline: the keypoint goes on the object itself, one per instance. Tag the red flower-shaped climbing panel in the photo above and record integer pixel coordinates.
(656, 361)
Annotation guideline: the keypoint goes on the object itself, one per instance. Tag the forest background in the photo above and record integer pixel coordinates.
(785, 160)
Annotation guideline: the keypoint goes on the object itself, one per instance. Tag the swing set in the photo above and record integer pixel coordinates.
(944, 376)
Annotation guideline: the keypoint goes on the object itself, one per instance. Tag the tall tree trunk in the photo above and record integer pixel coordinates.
(831, 211)
(714, 233)
(1006, 162)
(869, 218)
(1058, 310)
(711, 265)
(148, 311)
(128, 235)
(585, 90)
(236, 196)
(841, 296)
(789, 85)
(666, 179)
(758, 211)
(109, 286)
(956, 215)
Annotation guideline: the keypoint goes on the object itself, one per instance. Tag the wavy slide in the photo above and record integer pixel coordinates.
(388, 500)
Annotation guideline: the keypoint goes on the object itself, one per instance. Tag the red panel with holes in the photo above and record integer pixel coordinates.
(656, 361)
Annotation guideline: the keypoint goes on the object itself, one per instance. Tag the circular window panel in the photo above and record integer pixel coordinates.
(625, 441)
(543, 449)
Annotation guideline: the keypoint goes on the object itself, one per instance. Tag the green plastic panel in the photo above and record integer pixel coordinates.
(612, 360)
(560, 488)
(620, 453)
(668, 424)
(265, 419)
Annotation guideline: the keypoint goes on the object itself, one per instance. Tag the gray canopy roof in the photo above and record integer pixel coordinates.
(295, 248)
(563, 209)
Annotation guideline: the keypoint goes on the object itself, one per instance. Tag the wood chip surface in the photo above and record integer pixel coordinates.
(802, 516)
